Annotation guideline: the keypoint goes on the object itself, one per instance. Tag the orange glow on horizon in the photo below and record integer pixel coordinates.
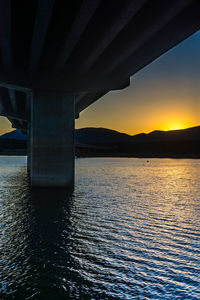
(172, 125)
(145, 112)
(176, 122)
(166, 127)
(162, 96)
(176, 126)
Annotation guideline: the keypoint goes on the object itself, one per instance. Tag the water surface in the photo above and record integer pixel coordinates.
(129, 231)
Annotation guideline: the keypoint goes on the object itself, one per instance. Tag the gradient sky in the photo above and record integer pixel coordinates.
(164, 95)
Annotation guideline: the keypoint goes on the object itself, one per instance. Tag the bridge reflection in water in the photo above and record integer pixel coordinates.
(36, 244)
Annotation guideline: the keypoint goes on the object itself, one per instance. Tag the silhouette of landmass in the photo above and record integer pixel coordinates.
(103, 135)
(184, 143)
(13, 142)
(14, 135)
(91, 135)
(173, 143)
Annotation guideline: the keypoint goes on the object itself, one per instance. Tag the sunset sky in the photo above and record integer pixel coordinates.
(164, 95)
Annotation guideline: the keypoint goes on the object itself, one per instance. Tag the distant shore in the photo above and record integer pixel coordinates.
(192, 156)
(125, 155)
(14, 153)
(141, 155)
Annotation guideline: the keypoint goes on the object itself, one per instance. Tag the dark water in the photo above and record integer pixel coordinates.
(129, 231)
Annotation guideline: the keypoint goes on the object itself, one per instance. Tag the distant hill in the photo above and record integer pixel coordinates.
(183, 143)
(93, 135)
(13, 143)
(103, 135)
(84, 135)
(189, 134)
(14, 135)
(100, 135)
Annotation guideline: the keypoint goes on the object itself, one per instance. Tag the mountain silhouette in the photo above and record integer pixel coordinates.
(14, 135)
(188, 134)
(100, 135)
(174, 143)
(92, 135)
(103, 135)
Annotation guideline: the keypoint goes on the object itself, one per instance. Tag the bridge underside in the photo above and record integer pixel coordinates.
(58, 57)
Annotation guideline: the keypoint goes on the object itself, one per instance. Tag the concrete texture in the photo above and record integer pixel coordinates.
(52, 140)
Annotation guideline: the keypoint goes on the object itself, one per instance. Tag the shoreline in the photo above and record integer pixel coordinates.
(125, 155)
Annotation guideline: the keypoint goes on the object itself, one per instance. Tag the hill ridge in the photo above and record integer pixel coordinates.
(105, 135)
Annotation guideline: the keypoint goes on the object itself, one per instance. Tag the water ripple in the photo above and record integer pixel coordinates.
(130, 231)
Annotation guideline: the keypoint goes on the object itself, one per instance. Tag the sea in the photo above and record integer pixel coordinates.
(130, 230)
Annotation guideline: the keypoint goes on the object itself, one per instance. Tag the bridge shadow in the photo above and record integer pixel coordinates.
(52, 207)
(37, 237)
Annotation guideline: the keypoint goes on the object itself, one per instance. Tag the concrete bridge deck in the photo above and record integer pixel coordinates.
(58, 57)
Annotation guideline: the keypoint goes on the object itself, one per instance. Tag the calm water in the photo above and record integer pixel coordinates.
(130, 231)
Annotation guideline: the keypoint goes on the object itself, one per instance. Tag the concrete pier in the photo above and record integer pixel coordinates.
(28, 149)
(51, 157)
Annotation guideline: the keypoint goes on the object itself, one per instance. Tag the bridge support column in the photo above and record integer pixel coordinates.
(28, 149)
(52, 140)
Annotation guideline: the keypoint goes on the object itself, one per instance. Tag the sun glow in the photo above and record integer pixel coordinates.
(175, 126)
(176, 121)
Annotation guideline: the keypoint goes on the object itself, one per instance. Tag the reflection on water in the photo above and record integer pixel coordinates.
(129, 231)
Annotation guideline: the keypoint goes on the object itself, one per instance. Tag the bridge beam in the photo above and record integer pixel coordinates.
(51, 155)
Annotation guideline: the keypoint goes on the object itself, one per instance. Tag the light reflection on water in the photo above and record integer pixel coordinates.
(129, 231)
